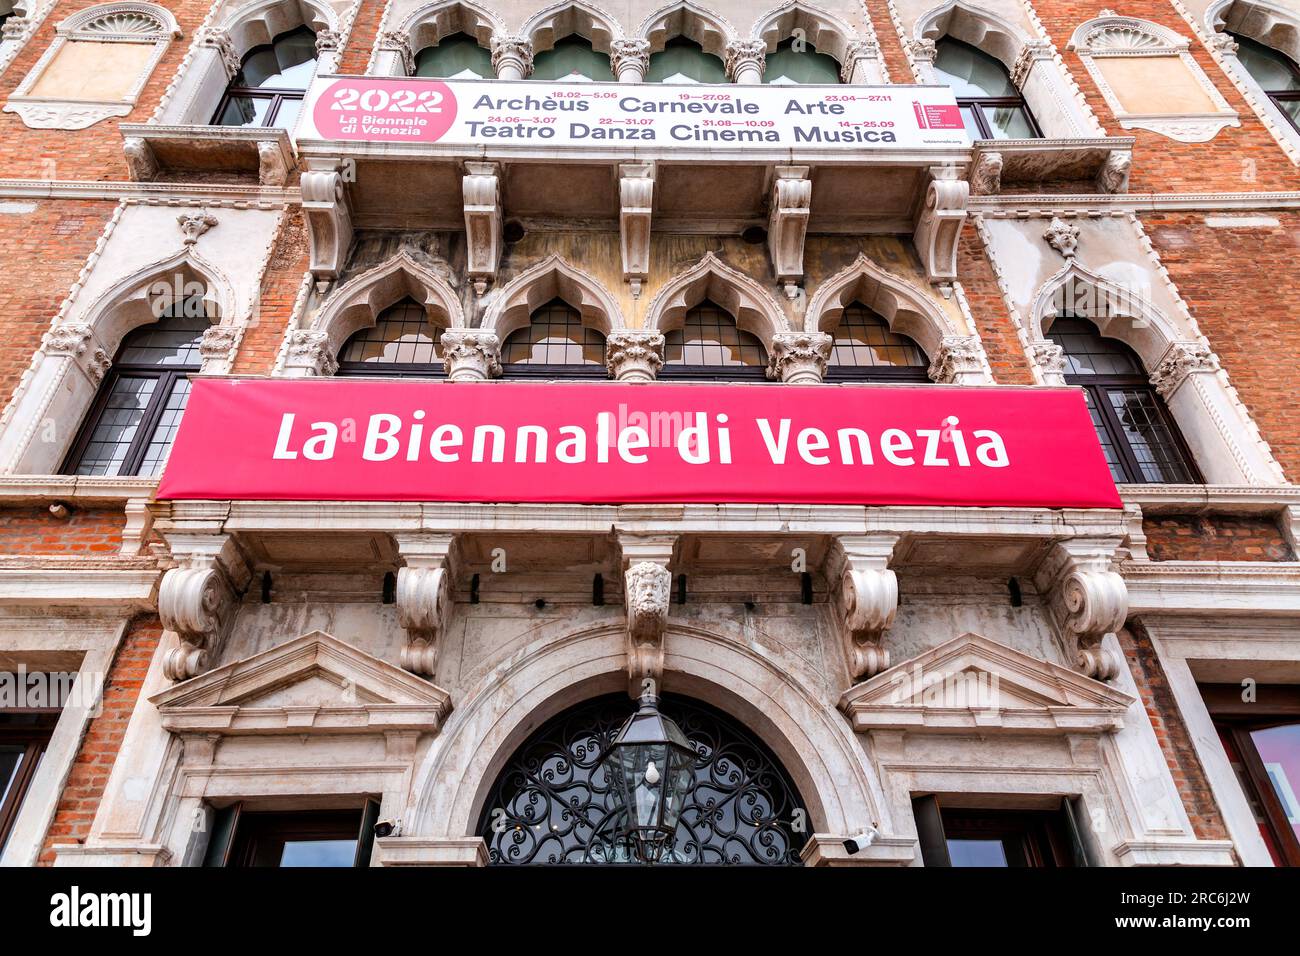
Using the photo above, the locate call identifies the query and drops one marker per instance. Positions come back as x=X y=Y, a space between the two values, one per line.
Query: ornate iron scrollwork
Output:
x=552 y=803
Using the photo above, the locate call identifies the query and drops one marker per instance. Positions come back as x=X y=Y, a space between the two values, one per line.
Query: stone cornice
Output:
x=1191 y=499
x=209 y=194
x=1064 y=204
x=74 y=488
x=1221 y=587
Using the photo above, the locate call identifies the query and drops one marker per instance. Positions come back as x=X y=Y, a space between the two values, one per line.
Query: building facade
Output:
x=271 y=679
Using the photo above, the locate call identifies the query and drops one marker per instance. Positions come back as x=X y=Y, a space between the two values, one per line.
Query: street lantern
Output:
x=650 y=765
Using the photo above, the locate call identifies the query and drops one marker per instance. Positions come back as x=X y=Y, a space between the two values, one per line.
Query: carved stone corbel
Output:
x=481 y=188
x=959 y=361
x=471 y=355
x=141 y=164
x=867 y=598
x=197 y=600
x=1087 y=598
x=424 y=597
x=787 y=224
x=986 y=176
x=634 y=355
x=938 y=226
x=329 y=221
x=272 y=167
x=799 y=358
x=647 y=592
x=1113 y=175
x=636 y=189
x=1180 y=360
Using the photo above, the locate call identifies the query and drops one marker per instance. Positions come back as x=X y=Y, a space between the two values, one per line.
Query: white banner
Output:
x=375 y=109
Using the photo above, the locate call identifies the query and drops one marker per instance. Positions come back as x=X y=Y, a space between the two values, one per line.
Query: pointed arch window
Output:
x=271 y=82
x=140 y=402
x=403 y=343
x=455 y=57
x=1137 y=433
x=865 y=350
x=710 y=346
x=684 y=61
x=554 y=344
x=991 y=106
x=1275 y=72
x=572 y=60
x=788 y=65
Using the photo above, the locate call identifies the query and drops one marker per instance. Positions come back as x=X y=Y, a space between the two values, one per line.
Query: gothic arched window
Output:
x=710 y=346
x=865 y=349
x=401 y=343
x=552 y=804
x=271 y=82
x=789 y=65
x=554 y=344
x=1137 y=433
x=1276 y=74
x=684 y=61
x=572 y=60
x=991 y=106
x=456 y=57
x=140 y=402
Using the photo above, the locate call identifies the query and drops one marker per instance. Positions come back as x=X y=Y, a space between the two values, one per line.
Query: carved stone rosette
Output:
x=799 y=358
x=634 y=355
x=1180 y=360
x=308 y=353
x=1087 y=598
x=959 y=361
x=867 y=599
x=471 y=355
x=647 y=588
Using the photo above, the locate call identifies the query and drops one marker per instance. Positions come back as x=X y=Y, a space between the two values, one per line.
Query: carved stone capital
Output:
x=15 y=28
x=986 y=176
x=854 y=69
x=471 y=355
x=218 y=343
x=923 y=50
x=1050 y=359
x=1031 y=53
x=1224 y=43
x=629 y=57
x=634 y=355
x=395 y=41
x=220 y=41
x=194 y=225
x=1087 y=598
x=1063 y=237
x=647 y=588
x=867 y=599
x=1180 y=360
x=512 y=57
x=71 y=338
x=799 y=358
x=745 y=61
x=308 y=353
x=959 y=361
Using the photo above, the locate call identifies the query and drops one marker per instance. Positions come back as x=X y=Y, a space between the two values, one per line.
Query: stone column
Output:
x=634 y=355
x=471 y=355
x=394 y=57
x=512 y=57
x=745 y=61
x=799 y=358
x=630 y=58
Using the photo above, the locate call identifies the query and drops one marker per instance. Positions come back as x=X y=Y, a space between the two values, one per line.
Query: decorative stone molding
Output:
x=799 y=358
x=1114 y=172
x=1063 y=237
x=938 y=225
x=217 y=347
x=1180 y=360
x=745 y=61
x=787 y=224
x=986 y=176
x=1114 y=36
x=220 y=40
x=141 y=164
x=308 y=353
x=863 y=63
x=194 y=225
x=634 y=355
x=424 y=597
x=512 y=57
x=197 y=599
x=398 y=43
x=1087 y=598
x=647 y=588
x=636 y=186
x=754 y=308
x=481 y=188
x=922 y=50
x=76 y=341
x=630 y=58
x=1049 y=358
x=867 y=599
x=1031 y=53
x=329 y=221
x=471 y=355
x=959 y=361
x=14 y=28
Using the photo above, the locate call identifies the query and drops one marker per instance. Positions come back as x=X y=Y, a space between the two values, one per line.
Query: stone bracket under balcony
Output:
x=151 y=149
x=998 y=163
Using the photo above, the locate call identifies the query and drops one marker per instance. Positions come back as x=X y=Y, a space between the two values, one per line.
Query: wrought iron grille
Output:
x=552 y=803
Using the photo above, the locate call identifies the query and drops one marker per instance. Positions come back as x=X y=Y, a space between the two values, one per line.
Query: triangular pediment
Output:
x=973 y=683
x=313 y=682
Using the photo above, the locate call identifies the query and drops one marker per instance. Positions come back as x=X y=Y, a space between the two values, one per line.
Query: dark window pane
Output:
x=286 y=63
x=572 y=60
x=709 y=337
x=168 y=342
x=684 y=61
x=402 y=336
x=554 y=336
x=1271 y=69
x=785 y=65
x=456 y=57
x=863 y=339
x=116 y=429
x=1008 y=122
x=164 y=433
x=11 y=758
x=1087 y=353
x=1148 y=436
x=245 y=111
x=971 y=72
x=1103 y=435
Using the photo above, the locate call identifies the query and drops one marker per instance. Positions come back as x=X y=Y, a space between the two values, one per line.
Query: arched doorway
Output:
x=551 y=803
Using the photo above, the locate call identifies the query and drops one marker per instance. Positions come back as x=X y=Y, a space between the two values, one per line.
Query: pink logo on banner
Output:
x=938 y=116
x=397 y=110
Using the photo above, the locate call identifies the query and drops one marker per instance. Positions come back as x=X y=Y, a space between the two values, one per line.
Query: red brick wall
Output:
x=1241 y=285
x=103 y=738
x=280 y=285
x=356 y=55
x=1215 y=538
x=891 y=46
x=1171 y=732
x=45 y=250
x=86 y=531
x=1005 y=353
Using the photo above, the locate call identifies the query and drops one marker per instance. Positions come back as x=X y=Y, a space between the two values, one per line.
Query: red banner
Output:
x=340 y=440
